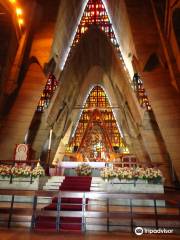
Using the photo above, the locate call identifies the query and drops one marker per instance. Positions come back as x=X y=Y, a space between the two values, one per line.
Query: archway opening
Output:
x=97 y=136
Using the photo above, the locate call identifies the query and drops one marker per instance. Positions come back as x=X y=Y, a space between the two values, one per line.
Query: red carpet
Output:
x=71 y=183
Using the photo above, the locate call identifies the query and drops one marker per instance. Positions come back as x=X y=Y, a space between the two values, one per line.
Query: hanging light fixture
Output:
x=12 y=1
x=19 y=12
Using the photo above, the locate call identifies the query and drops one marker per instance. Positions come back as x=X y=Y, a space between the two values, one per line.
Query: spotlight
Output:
x=19 y=11
x=12 y=1
x=20 y=21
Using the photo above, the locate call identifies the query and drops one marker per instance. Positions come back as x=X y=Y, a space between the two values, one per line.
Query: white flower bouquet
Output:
x=125 y=173
x=38 y=171
x=151 y=174
x=83 y=170
x=18 y=171
x=21 y=171
x=5 y=170
x=108 y=173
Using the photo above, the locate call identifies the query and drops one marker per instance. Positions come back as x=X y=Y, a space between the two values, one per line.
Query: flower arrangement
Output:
x=21 y=171
x=83 y=170
x=124 y=173
x=148 y=174
x=5 y=171
x=38 y=171
x=108 y=173
x=129 y=173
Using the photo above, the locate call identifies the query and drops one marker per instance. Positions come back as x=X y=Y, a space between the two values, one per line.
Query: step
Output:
x=52 y=185
x=66 y=223
x=51 y=188
x=97 y=189
x=57 y=177
x=45 y=200
x=56 y=180
x=68 y=200
x=97 y=180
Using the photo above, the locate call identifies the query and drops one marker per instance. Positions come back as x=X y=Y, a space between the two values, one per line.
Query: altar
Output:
x=69 y=167
x=75 y=164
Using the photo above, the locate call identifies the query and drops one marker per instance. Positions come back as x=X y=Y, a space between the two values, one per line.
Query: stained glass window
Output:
x=97 y=133
x=95 y=14
x=47 y=94
x=140 y=92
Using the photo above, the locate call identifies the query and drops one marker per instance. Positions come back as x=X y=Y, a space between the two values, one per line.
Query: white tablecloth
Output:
x=75 y=164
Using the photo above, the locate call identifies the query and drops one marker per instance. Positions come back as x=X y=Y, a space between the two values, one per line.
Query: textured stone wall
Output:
x=165 y=102
x=16 y=124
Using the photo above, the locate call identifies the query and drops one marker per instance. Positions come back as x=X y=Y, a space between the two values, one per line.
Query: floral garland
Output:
x=129 y=173
x=83 y=170
x=21 y=171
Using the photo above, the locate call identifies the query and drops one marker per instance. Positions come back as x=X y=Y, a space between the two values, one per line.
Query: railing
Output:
x=106 y=211
x=7 y=212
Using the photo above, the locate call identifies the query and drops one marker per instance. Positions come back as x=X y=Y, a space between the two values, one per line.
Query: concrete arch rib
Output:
x=97 y=76
x=94 y=49
x=93 y=61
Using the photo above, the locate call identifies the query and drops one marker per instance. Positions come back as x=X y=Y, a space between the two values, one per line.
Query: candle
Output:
x=50 y=139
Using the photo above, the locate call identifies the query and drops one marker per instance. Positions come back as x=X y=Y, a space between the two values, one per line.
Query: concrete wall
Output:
x=16 y=124
x=107 y=72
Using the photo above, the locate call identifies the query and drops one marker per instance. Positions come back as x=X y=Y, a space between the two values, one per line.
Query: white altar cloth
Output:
x=75 y=164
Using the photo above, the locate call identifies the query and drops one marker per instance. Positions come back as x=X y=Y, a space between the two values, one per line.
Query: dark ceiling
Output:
x=5 y=33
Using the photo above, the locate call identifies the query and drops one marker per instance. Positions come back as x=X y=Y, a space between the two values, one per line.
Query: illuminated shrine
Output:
x=97 y=136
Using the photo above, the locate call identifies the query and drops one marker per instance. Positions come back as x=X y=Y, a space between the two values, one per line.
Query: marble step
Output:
x=53 y=184
x=56 y=188
x=56 y=179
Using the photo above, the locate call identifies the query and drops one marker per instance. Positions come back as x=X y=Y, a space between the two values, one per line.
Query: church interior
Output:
x=90 y=117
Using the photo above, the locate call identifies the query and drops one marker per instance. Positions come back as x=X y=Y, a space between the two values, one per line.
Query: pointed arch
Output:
x=94 y=13
x=86 y=103
x=97 y=119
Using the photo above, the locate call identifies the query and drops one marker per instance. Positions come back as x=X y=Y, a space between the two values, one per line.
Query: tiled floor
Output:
x=26 y=235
